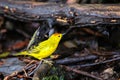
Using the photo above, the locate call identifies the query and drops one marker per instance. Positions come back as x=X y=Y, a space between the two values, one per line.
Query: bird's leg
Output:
x=55 y=56
x=47 y=61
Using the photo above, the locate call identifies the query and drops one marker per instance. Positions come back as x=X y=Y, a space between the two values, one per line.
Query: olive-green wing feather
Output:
x=40 y=47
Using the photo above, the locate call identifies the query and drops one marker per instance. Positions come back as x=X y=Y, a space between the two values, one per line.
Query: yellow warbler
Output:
x=43 y=49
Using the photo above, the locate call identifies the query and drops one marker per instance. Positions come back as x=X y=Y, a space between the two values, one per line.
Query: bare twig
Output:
x=11 y=75
x=36 y=68
x=94 y=64
x=17 y=72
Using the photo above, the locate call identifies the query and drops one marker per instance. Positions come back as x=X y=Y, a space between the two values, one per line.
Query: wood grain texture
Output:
x=80 y=14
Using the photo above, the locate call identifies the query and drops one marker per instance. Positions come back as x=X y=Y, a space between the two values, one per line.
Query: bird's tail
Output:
x=5 y=54
x=21 y=53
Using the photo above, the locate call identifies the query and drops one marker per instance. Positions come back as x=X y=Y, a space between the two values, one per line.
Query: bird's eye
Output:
x=59 y=36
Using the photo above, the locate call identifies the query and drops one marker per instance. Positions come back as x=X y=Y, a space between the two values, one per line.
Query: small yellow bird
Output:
x=43 y=49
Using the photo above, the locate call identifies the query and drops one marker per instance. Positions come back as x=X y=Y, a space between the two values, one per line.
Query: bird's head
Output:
x=56 y=37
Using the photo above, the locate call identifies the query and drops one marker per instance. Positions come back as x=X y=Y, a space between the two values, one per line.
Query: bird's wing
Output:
x=41 y=46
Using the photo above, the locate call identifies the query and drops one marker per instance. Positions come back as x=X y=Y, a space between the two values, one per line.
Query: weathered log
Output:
x=72 y=14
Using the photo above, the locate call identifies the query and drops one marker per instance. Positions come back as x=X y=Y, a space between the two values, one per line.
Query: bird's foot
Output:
x=48 y=62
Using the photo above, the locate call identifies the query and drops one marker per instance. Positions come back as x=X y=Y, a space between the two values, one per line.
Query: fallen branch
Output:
x=94 y=64
x=82 y=73
x=71 y=14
